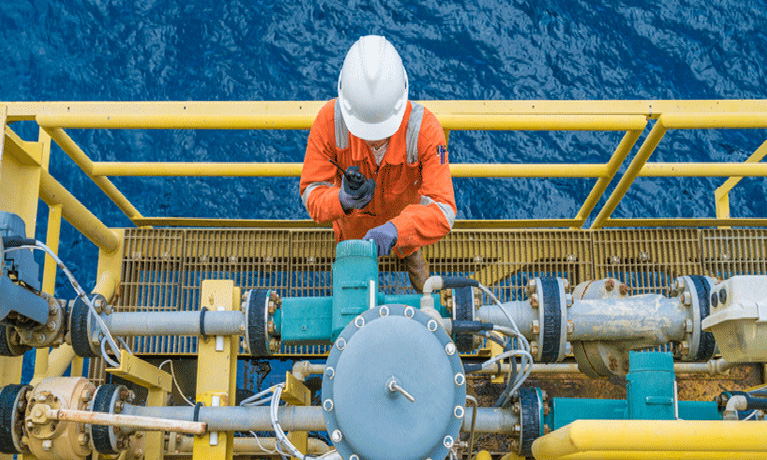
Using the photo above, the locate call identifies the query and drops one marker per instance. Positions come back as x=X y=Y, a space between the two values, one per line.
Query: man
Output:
x=392 y=184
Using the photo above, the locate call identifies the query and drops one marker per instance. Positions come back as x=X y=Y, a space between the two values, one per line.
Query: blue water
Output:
x=156 y=50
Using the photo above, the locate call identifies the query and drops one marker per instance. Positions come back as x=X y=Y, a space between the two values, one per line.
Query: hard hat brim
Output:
x=374 y=131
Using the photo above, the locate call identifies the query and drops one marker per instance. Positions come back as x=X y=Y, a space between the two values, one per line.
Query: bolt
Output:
x=20 y=406
x=514 y=445
x=30 y=424
x=570 y=326
x=270 y=327
x=515 y=409
x=536 y=327
x=52 y=308
x=546 y=409
x=686 y=298
x=82 y=439
x=38 y=412
x=688 y=325
x=337 y=436
x=272 y=307
x=534 y=300
x=623 y=289
x=679 y=284
x=51 y=325
x=546 y=429
x=450 y=349
x=40 y=397
x=534 y=348
x=517 y=428
x=119 y=407
x=544 y=395
x=531 y=286
x=138 y=453
x=569 y=300
x=613 y=363
x=684 y=348
x=47 y=445
x=566 y=285
x=609 y=285
x=41 y=337
x=274 y=345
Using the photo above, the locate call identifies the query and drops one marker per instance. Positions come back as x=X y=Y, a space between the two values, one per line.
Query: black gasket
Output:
x=202 y=323
x=102 y=402
x=463 y=305
x=552 y=319
x=707 y=342
x=9 y=417
x=258 y=341
x=78 y=330
x=529 y=419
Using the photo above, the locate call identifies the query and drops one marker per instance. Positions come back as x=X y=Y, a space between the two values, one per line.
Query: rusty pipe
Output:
x=132 y=421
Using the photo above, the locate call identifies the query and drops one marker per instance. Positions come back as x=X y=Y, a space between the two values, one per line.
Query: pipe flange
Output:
x=463 y=310
x=257 y=305
x=398 y=367
x=80 y=331
x=702 y=344
x=107 y=439
x=552 y=314
x=10 y=342
x=530 y=405
x=13 y=403
x=50 y=333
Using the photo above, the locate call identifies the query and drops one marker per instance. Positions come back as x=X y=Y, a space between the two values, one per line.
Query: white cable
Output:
x=173 y=376
x=81 y=294
x=268 y=451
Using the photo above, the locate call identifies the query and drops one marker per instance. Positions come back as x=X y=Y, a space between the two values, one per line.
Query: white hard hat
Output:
x=372 y=89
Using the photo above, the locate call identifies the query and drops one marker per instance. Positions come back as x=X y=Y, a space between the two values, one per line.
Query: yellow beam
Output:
x=140 y=372
x=677 y=222
x=20 y=177
x=703 y=170
x=721 y=194
x=256 y=223
x=294 y=169
x=53 y=193
x=494 y=121
x=680 y=120
x=651 y=437
x=648 y=108
x=109 y=271
x=297 y=394
x=217 y=369
x=81 y=159
x=623 y=149
x=647 y=148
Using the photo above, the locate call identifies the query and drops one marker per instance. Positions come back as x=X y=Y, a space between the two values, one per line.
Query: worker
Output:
x=392 y=181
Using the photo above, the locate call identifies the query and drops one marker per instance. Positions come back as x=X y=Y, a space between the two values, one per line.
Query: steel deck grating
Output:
x=164 y=268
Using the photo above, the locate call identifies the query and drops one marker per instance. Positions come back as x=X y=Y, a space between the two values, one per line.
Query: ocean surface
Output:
x=161 y=50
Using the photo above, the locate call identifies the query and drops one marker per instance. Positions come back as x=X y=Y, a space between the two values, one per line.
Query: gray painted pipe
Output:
x=175 y=323
x=650 y=318
x=301 y=418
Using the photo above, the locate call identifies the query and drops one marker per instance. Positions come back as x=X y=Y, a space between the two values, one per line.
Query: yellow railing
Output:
x=631 y=117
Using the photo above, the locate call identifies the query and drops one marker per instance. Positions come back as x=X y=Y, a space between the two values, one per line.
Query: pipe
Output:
x=250 y=446
x=303 y=369
x=299 y=418
x=652 y=439
x=138 y=422
x=712 y=367
x=59 y=360
x=53 y=193
x=175 y=323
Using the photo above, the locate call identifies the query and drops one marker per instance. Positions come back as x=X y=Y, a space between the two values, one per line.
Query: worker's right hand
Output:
x=355 y=197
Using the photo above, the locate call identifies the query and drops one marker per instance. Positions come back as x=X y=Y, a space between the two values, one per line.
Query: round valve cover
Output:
x=383 y=359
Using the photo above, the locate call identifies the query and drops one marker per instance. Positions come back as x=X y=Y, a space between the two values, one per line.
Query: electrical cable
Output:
x=175 y=382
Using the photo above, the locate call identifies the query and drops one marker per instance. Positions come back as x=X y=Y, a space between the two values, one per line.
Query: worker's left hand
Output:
x=385 y=237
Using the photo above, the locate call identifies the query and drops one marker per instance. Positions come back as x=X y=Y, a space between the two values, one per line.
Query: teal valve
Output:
x=355 y=281
x=650 y=390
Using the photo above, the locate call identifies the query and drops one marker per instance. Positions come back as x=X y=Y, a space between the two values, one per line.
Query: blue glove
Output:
x=356 y=191
x=385 y=237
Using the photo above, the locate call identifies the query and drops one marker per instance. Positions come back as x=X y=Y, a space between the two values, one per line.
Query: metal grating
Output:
x=648 y=261
x=163 y=269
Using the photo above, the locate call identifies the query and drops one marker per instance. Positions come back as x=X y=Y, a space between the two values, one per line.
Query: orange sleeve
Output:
x=320 y=180
x=428 y=221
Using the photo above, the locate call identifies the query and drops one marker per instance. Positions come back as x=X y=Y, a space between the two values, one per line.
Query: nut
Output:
x=546 y=429
x=534 y=300
x=534 y=348
x=570 y=326
x=686 y=298
x=613 y=363
x=609 y=285
x=623 y=289
x=535 y=328
x=274 y=345
x=688 y=325
x=531 y=286
x=47 y=445
x=684 y=348
x=82 y=439
x=270 y=327
x=569 y=300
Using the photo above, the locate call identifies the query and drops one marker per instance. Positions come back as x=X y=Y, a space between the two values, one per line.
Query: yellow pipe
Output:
x=676 y=222
x=294 y=169
x=277 y=120
x=256 y=223
x=659 y=455
x=616 y=160
x=651 y=437
x=703 y=170
x=714 y=120
x=53 y=193
x=655 y=136
x=81 y=159
x=57 y=361
x=49 y=282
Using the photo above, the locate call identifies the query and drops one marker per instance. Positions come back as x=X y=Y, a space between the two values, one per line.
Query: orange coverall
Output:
x=416 y=197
